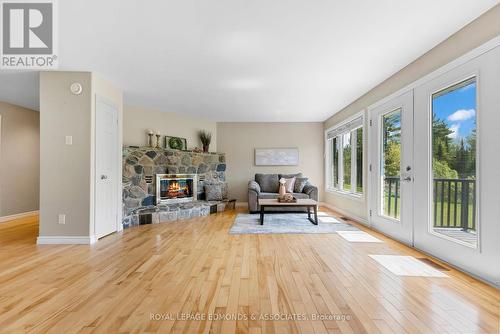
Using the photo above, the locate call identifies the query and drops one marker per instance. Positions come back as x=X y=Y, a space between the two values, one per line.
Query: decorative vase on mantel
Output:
x=150 y=138
x=158 y=137
x=206 y=139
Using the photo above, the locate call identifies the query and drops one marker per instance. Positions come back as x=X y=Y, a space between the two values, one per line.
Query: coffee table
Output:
x=307 y=203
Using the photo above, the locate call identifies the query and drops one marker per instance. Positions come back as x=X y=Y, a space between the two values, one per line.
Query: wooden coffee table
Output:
x=307 y=203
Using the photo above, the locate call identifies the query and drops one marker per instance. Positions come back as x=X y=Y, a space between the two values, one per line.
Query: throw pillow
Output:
x=225 y=190
x=213 y=192
x=300 y=183
x=269 y=183
x=289 y=184
x=223 y=185
x=289 y=176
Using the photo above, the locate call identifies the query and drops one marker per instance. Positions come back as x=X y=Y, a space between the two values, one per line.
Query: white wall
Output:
x=239 y=140
x=20 y=159
x=138 y=120
x=67 y=172
x=471 y=36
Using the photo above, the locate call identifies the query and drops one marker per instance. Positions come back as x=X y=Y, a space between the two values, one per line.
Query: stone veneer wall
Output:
x=141 y=164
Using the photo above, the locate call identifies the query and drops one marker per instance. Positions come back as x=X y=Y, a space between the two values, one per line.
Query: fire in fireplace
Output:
x=175 y=188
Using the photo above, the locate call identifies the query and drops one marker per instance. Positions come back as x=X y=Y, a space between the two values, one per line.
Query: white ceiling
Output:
x=241 y=60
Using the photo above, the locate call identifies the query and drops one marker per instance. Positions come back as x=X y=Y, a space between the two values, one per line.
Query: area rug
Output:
x=288 y=223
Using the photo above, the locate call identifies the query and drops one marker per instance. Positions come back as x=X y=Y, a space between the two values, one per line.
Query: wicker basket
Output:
x=287 y=200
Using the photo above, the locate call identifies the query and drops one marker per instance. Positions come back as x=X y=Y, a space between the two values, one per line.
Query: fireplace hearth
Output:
x=175 y=188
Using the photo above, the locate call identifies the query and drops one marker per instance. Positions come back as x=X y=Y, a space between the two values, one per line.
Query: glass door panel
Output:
x=454 y=162
x=359 y=160
x=391 y=164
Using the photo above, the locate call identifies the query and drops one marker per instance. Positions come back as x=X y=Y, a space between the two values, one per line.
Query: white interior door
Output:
x=456 y=166
x=390 y=157
x=106 y=168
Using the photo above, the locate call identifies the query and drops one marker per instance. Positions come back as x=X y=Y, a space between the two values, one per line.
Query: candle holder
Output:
x=158 y=136
x=150 y=139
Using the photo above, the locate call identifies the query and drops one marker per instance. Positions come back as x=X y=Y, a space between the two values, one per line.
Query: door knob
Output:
x=104 y=177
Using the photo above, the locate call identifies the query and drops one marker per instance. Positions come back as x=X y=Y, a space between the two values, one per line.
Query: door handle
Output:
x=104 y=177
x=406 y=179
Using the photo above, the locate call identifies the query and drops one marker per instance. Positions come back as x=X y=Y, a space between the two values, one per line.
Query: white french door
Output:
x=456 y=172
x=434 y=164
x=391 y=156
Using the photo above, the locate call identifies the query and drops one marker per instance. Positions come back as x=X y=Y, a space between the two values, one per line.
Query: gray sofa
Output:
x=267 y=186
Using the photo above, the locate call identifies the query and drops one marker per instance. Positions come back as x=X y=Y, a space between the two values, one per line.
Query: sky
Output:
x=458 y=109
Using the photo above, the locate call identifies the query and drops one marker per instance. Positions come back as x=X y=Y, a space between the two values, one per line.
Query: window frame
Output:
x=329 y=165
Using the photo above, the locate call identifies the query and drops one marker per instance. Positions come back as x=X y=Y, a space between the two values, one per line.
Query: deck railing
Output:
x=454 y=204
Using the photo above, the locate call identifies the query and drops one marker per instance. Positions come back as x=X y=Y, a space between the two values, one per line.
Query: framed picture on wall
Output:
x=276 y=156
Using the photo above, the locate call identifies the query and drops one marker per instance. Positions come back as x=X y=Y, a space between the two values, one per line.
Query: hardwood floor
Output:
x=127 y=281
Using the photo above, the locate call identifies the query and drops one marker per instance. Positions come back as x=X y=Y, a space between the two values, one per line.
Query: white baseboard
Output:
x=241 y=205
x=64 y=240
x=356 y=218
x=18 y=216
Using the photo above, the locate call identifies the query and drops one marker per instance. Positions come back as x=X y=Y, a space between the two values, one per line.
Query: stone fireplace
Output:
x=142 y=166
x=175 y=188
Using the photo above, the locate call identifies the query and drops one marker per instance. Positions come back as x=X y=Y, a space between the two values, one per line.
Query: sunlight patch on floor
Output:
x=328 y=220
x=358 y=236
x=406 y=266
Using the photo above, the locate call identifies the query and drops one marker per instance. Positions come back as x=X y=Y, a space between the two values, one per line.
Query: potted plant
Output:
x=205 y=138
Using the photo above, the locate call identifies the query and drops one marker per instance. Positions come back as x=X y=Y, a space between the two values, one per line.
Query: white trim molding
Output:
x=18 y=216
x=65 y=240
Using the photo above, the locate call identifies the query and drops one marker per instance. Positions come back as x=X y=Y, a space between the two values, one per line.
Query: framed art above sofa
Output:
x=277 y=156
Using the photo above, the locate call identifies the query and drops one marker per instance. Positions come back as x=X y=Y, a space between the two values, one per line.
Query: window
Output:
x=335 y=171
x=345 y=157
x=346 y=152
